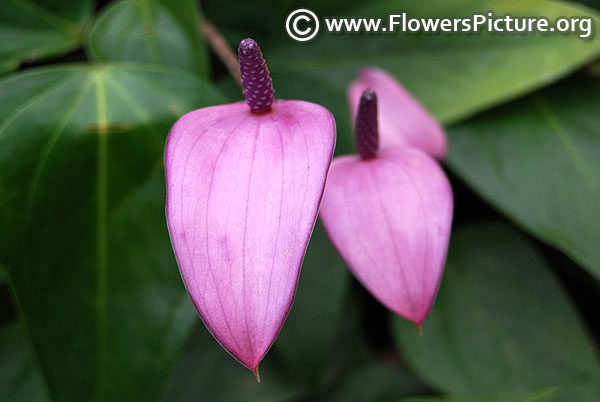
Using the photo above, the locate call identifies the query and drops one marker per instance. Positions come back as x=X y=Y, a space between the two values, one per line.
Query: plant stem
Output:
x=222 y=49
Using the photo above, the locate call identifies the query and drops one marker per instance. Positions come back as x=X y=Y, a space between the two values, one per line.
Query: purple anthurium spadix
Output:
x=388 y=212
x=403 y=121
x=244 y=184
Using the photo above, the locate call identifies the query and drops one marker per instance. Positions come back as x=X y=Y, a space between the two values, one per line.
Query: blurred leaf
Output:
x=37 y=29
x=590 y=3
x=206 y=372
x=19 y=378
x=2 y=274
x=501 y=325
x=544 y=395
x=376 y=382
x=307 y=339
x=239 y=19
x=453 y=75
x=158 y=31
x=84 y=235
x=594 y=69
x=352 y=349
x=537 y=160
x=230 y=89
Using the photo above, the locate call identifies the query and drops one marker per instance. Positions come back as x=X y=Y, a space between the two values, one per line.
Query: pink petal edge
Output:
x=403 y=121
x=243 y=193
x=390 y=219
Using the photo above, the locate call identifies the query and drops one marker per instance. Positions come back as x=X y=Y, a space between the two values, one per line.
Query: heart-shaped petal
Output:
x=390 y=217
x=403 y=121
x=243 y=193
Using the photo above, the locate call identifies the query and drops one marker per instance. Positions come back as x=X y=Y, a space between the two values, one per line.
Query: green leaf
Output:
x=590 y=3
x=537 y=161
x=84 y=235
x=163 y=32
x=376 y=382
x=307 y=339
x=544 y=395
x=37 y=29
x=19 y=377
x=453 y=75
x=206 y=372
x=2 y=274
x=501 y=325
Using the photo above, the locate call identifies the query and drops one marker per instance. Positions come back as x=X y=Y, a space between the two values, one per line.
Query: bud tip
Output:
x=257 y=375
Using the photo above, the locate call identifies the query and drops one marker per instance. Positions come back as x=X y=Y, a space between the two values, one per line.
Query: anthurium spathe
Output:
x=244 y=183
x=403 y=121
x=388 y=212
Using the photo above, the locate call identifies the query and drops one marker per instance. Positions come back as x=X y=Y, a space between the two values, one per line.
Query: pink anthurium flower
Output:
x=244 y=184
x=403 y=121
x=388 y=212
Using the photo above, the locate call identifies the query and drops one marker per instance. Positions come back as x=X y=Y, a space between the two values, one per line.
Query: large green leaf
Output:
x=19 y=378
x=537 y=160
x=206 y=372
x=36 y=29
x=501 y=325
x=157 y=31
x=307 y=339
x=83 y=228
x=454 y=75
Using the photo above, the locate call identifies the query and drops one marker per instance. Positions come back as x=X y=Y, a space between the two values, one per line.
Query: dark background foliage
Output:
x=91 y=304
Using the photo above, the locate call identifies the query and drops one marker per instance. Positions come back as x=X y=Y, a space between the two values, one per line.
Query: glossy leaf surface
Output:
x=163 y=32
x=84 y=235
x=537 y=160
x=37 y=29
x=501 y=326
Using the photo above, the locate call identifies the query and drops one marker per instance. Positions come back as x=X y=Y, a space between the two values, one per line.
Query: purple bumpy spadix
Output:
x=367 y=135
x=256 y=80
